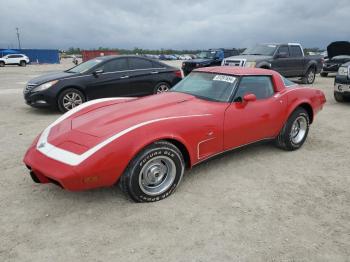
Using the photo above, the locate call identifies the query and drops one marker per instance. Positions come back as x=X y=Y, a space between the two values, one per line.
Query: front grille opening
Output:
x=55 y=182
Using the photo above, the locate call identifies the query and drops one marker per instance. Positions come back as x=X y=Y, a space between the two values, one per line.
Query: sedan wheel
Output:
x=69 y=99
x=161 y=88
x=154 y=173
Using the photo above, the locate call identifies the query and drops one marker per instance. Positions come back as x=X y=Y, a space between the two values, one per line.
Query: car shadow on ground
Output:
x=114 y=193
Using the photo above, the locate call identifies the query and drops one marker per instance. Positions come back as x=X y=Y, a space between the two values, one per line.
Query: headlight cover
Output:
x=343 y=71
x=45 y=86
x=250 y=64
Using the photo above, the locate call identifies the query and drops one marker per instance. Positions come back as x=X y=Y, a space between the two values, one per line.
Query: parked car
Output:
x=287 y=59
x=338 y=54
x=185 y=57
x=14 y=59
x=211 y=57
x=146 y=144
x=106 y=76
x=342 y=83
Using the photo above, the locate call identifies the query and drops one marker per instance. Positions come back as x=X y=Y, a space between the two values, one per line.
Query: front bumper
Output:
x=330 y=68
x=41 y=99
x=45 y=170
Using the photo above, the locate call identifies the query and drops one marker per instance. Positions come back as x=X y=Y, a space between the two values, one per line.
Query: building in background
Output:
x=90 y=54
x=39 y=56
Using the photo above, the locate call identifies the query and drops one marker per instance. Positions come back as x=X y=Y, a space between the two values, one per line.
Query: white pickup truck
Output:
x=14 y=59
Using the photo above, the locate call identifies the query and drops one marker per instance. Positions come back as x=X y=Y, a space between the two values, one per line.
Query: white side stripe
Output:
x=73 y=159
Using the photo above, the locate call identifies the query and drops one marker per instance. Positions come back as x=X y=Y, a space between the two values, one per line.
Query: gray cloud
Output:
x=172 y=24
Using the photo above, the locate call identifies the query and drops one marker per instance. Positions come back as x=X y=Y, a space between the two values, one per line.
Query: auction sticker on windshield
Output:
x=224 y=78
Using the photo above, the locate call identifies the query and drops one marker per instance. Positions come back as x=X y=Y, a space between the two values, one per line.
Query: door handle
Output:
x=124 y=77
x=154 y=72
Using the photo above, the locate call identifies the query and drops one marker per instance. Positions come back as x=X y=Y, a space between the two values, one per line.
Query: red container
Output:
x=90 y=54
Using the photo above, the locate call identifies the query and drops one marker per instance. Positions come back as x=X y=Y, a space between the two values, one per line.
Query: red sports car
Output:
x=146 y=144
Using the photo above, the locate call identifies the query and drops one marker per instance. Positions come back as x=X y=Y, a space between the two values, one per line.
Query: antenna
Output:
x=19 y=41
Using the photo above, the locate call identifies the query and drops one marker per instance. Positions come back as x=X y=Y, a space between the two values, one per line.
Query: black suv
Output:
x=108 y=76
x=211 y=57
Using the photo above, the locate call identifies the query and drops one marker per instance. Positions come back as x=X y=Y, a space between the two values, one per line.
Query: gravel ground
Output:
x=254 y=204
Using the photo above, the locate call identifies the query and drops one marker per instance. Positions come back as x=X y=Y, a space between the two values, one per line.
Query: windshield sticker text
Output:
x=224 y=78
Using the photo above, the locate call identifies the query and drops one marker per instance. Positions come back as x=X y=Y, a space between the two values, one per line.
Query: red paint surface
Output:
x=228 y=125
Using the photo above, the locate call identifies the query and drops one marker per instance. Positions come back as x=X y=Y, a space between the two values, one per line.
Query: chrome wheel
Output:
x=299 y=128
x=311 y=76
x=162 y=88
x=157 y=175
x=71 y=100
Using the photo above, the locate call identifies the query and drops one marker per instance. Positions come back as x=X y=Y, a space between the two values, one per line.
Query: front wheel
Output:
x=323 y=74
x=69 y=99
x=154 y=173
x=295 y=130
x=338 y=97
x=309 y=77
x=161 y=88
x=22 y=63
x=2 y=63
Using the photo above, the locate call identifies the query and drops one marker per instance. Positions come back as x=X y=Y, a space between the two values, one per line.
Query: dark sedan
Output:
x=108 y=76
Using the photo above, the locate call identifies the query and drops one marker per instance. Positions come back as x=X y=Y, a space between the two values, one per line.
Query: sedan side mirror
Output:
x=97 y=72
x=249 y=98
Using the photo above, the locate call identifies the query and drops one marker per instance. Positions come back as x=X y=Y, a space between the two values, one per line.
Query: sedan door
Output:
x=143 y=76
x=111 y=79
x=248 y=122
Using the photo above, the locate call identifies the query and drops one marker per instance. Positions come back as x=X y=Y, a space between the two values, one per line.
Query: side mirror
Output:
x=249 y=98
x=97 y=72
x=282 y=55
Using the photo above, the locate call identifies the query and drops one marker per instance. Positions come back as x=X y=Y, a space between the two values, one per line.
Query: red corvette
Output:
x=145 y=144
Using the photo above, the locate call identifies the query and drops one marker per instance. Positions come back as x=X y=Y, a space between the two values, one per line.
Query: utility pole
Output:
x=19 y=41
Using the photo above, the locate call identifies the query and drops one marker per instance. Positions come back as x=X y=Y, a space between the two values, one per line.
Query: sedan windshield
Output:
x=208 y=86
x=206 y=54
x=260 y=50
x=82 y=68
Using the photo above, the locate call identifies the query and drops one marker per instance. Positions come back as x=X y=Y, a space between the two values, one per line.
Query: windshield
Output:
x=206 y=54
x=341 y=57
x=208 y=86
x=83 y=67
x=260 y=50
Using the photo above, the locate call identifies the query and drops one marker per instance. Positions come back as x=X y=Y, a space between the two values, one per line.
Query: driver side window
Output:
x=260 y=86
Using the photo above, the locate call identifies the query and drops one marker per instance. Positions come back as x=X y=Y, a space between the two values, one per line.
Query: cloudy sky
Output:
x=175 y=24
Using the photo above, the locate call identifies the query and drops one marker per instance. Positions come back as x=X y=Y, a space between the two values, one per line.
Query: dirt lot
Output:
x=255 y=204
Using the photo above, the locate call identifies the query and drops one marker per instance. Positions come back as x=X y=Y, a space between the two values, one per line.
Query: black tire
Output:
x=323 y=74
x=161 y=87
x=132 y=181
x=310 y=76
x=22 y=63
x=2 y=63
x=339 y=97
x=286 y=139
x=62 y=98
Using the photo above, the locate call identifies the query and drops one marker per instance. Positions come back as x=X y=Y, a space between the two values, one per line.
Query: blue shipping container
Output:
x=41 y=56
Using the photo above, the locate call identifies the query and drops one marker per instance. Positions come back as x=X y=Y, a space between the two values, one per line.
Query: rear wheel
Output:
x=323 y=74
x=309 y=77
x=294 y=131
x=161 y=88
x=2 y=63
x=338 y=97
x=154 y=173
x=22 y=63
x=69 y=99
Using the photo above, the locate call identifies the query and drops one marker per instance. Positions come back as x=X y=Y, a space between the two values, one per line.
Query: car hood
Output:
x=338 y=48
x=93 y=125
x=199 y=61
x=249 y=58
x=50 y=77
